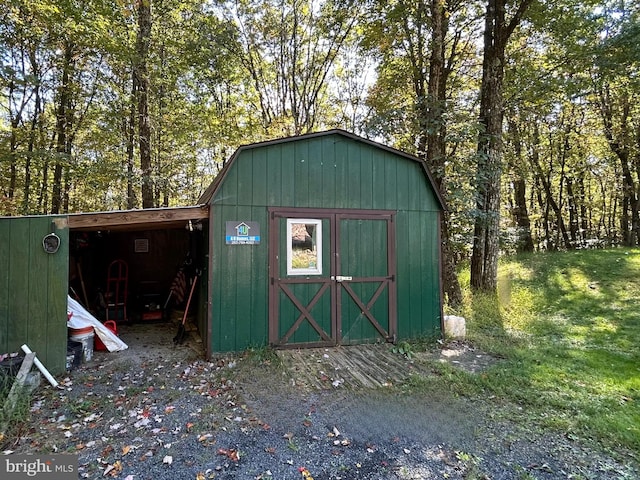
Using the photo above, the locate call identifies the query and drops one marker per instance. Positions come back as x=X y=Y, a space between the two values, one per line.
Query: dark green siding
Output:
x=239 y=282
x=33 y=289
x=361 y=255
x=418 y=274
x=330 y=171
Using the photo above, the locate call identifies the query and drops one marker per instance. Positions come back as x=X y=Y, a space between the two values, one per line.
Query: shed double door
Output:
x=332 y=278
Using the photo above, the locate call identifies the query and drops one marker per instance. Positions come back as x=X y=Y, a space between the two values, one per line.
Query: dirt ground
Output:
x=159 y=410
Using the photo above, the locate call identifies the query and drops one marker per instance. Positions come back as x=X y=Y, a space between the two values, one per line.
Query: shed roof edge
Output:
x=211 y=190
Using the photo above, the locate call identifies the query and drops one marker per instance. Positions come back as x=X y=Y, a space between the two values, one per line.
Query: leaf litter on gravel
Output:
x=232 y=419
x=132 y=413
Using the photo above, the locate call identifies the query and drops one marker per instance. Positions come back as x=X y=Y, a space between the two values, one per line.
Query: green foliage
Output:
x=15 y=419
x=564 y=330
x=567 y=328
x=263 y=355
x=224 y=74
x=403 y=348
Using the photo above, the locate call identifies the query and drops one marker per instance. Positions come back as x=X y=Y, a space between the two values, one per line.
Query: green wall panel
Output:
x=33 y=289
x=287 y=174
x=353 y=162
x=365 y=179
x=301 y=169
x=315 y=175
x=343 y=182
x=19 y=273
x=274 y=172
x=418 y=279
x=5 y=256
x=324 y=171
x=239 y=281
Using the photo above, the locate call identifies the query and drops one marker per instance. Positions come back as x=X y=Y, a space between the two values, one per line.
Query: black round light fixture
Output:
x=51 y=243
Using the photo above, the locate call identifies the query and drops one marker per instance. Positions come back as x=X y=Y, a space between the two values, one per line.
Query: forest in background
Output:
x=526 y=111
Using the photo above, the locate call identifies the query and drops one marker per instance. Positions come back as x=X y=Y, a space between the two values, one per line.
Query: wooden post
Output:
x=17 y=388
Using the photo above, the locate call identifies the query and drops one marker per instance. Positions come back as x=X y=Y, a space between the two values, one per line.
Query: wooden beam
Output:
x=152 y=218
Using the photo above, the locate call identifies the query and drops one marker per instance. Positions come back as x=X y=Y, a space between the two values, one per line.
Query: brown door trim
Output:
x=277 y=284
x=305 y=312
x=385 y=282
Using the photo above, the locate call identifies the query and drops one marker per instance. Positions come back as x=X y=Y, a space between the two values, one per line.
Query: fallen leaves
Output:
x=305 y=473
x=231 y=453
x=109 y=415
x=206 y=439
x=106 y=451
x=139 y=430
x=113 y=470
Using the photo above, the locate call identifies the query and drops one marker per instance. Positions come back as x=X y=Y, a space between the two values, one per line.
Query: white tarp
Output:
x=81 y=318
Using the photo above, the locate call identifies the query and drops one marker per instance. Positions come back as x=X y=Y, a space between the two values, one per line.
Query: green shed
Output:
x=319 y=240
x=316 y=240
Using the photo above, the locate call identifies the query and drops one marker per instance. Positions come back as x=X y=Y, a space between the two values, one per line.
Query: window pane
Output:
x=304 y=247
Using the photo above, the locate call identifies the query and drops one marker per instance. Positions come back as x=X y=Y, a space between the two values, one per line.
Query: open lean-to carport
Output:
x=35 y=277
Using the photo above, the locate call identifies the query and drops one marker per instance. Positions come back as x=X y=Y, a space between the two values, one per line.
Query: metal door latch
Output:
x=341 y=278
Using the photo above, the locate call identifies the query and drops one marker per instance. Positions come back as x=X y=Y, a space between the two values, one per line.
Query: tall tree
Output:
x=422 y=46
x=434 y=128
x=616 y=92
x=141 y=81
x=486 y=248
x=517 y=169
x=289 y=49
x=64 y=123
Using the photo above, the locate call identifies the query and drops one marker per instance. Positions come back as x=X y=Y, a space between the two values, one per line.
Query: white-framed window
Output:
x=304 y=246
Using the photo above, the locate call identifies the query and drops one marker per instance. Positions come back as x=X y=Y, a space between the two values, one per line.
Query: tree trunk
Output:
x=435 y=138
x=544 y=207
x=35 y=125
x=13 y=144
x=550 y=203
x=585 y=221
x=519 y=211
x=486 y=248
x=484 y=258
x=13 y=147
x=618 y=140
x=574 y=228
x=130 y=132
x=142 y=75
x=64 y=115
x=521 y=216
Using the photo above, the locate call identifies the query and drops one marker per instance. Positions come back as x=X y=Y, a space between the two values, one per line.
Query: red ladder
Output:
x=117 y=288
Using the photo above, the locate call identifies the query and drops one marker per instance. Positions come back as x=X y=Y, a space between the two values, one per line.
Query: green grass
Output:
x=263 y=355
x=11 y=421
x=567 y=326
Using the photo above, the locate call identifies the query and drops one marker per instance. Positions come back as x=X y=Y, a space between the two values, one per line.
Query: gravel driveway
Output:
x=158 y=411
